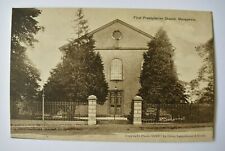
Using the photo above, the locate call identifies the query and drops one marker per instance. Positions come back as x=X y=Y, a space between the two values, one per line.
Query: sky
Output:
x=184 y=35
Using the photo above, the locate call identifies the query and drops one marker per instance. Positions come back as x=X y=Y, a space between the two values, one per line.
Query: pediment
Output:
x=120 y=35
x=131 y=38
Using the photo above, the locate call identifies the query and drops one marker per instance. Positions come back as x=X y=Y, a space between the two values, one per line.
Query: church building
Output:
x=121 y=47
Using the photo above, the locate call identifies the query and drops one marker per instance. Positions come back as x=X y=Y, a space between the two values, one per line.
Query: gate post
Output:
x=92 y=110
x=137 y=110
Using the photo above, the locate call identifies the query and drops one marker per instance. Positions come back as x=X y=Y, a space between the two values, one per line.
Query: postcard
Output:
x=102 y=74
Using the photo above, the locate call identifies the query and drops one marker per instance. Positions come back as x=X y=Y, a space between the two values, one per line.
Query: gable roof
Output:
x=123 y=23
x=111 y=23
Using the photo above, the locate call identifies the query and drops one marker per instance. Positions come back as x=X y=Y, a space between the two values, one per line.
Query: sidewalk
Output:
x=73 y=125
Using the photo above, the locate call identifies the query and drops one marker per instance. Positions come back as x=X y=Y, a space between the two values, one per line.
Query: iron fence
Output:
x=182 y=113
x=67 y=111
x=78 y=111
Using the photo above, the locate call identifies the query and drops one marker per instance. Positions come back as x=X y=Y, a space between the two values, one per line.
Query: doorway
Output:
x=115 y=102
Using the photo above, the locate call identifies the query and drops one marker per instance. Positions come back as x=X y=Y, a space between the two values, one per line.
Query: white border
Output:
x=8 y=144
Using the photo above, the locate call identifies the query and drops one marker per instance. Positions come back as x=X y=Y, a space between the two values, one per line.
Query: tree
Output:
x=24 y=77
x=159 y=81
x=81 y=27
x=80 y=72
x=206 y=73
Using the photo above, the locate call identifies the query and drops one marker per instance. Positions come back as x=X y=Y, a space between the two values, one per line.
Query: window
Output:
x=116 y=69
x=117 y=35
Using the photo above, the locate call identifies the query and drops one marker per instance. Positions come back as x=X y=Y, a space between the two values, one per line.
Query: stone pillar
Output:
x=92 y=110
x=137 y=108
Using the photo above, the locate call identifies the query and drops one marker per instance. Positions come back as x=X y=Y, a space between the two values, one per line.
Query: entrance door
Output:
x=115 y=106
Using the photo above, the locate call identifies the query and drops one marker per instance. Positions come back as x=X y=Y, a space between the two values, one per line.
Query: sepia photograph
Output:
x=109 y=74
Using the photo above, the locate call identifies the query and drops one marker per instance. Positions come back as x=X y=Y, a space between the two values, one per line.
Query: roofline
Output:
x=123 y=23
x=111 y=23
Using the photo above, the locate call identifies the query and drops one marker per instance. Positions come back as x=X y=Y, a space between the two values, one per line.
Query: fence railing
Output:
x=70 y=111
x=183 y=113
x=78 y=111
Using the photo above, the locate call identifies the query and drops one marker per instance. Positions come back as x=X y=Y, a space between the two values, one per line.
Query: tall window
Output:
x=116 y=69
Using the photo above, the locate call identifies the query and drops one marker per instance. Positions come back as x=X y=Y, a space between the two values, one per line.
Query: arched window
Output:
x=116 y=69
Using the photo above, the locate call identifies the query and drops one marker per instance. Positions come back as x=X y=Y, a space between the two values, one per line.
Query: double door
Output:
x=116 y=102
